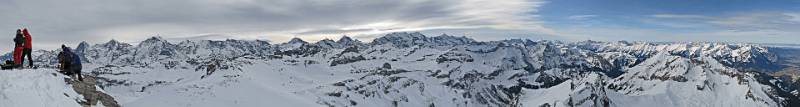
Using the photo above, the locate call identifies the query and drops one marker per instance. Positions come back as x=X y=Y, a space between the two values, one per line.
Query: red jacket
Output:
x=27 y=39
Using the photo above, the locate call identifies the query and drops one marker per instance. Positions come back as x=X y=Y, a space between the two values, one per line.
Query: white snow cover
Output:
x=412 y=70
x=705 y=85
x=36 y=88
x=181 y=88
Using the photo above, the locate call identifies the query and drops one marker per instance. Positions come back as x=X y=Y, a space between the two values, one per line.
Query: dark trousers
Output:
x=77 y=71
x=74 y=70
x=27 y=53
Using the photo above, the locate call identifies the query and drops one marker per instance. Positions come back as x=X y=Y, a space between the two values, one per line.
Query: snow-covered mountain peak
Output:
x=736 y=55
x=328 y=43
x=404 y=39
x=154 y=39
x=326 y=40
x=113 y=42
x=155 y=42
x=296 y=41
x=346 y=39
x=82 y=47
x=445 y=39
x=83 y=44
x=406 y=35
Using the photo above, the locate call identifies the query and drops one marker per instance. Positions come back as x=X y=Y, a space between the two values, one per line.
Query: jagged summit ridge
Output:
x=297 y=41
x=404 y=39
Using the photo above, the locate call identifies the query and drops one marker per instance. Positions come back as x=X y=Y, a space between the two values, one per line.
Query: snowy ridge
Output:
x=750 y=56
x=403 y=39
x=36 y=88
x=411 y=69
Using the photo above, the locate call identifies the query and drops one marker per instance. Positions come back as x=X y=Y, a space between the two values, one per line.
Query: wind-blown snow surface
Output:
x=36 y=88
x=411 y=69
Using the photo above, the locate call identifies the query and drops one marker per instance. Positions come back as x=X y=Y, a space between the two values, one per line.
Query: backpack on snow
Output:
x=8 y=65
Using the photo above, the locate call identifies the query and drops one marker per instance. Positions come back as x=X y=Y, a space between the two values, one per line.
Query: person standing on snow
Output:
x=26 y=51
x=18 y=43
x=70 y=62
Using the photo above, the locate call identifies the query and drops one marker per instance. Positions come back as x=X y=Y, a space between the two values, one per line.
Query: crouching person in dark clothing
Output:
x=70 y=63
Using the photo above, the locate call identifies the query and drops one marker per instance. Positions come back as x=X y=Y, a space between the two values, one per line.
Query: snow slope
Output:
x=36 y=88
x=222 y=89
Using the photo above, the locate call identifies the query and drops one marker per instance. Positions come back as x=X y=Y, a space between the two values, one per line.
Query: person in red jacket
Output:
x=18 y=45
x=26 y=51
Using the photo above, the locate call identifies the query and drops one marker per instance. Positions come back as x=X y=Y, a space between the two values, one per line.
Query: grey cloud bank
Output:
x=55 y=22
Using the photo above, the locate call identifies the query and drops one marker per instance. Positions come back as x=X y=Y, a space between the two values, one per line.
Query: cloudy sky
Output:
x=55 y=22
